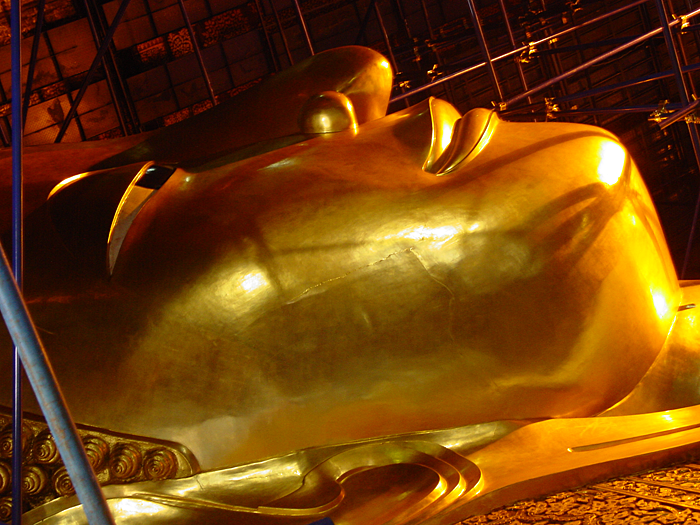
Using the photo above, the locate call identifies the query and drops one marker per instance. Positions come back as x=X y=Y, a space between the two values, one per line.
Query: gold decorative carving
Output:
x=658 y=497
x=5 y=477
x=61 y=482
x=125 y=462
x=6 y=440
x=116 y=458
x=97 y=450
x=5 y=509
x=44 y=448
x=159 y=463
x=34 y=480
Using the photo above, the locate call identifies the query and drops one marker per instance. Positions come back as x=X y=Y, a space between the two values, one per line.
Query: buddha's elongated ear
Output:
x=93 y=211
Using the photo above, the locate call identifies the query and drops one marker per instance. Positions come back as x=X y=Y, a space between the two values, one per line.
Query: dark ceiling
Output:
x=151 y=76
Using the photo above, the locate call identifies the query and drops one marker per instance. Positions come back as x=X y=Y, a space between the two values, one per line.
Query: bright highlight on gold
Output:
x=612 y=162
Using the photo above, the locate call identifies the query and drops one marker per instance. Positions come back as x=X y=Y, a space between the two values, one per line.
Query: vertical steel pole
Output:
x=426 y=17
x=32 y=58
x=93 y=67
x=385 y=35
x=484 y=49
x=197 y=51
x=303 y=27
x=519 y=65
x=112 y=73
x=57 y=69
x=363 y=25
x=692 y=129
x=270 y=47
x=281 y=29
x=17 y=245
x=387 y=43
x=95 y=27
x=672 y=51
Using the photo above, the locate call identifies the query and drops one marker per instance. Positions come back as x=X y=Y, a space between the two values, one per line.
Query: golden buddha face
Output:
x=422 y=271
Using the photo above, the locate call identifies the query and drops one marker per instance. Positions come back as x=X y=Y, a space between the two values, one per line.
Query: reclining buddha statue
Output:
x=314 y=310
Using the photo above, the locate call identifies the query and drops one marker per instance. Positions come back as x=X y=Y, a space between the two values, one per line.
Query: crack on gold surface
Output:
x=311 y=289
x=450 y=306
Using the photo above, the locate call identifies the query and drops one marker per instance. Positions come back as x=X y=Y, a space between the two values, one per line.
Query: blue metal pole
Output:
x=595 y=60
x=481 y=39
x=51 y=401
x=678 y=115
x=621 y=85
x=692 y=129
x=519 y=50
x=17 y=245
x=597 y=111
x=32 y=58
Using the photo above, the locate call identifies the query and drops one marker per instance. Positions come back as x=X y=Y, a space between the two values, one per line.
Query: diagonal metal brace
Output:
x=685 y=113
x=93 y=67
x=41 y=376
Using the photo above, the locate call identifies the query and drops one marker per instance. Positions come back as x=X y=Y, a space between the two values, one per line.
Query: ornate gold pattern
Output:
x=228 y=24
x=658 y=497
x=151 y=52
x=223 y=26
x=180 y=43
x=116 y=458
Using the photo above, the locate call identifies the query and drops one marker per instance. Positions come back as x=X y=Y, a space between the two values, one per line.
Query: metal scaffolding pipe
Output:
x=673 y=52
x=93 y=67
x=593 y=111
x=626 y=84
x=692 y=129
x=680 y=114
x=303 y=27
x=594 y=61
x=581 y=47
x=519 y=50
x=281 y=29
x=385 y=36
x=111 y=71
x=270 y=47
x=32 y=58
x=57 y=69
x=97 y=30
x=17 y=247
x=197 y=51
x=50 y=399
x=365 y=21
x=519 y=66
x=484 y=49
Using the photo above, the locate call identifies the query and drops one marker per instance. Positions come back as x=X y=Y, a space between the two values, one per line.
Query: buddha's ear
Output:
x=469 y=135
x=92 y=212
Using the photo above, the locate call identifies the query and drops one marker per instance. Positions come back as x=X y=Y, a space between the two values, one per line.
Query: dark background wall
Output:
x=151 y=77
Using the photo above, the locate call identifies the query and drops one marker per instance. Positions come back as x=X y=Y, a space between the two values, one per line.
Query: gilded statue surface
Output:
x=343 y=314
